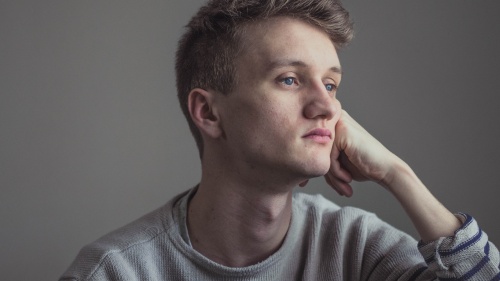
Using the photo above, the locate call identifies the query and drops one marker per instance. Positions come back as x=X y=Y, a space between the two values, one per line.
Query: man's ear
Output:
x=204 y=113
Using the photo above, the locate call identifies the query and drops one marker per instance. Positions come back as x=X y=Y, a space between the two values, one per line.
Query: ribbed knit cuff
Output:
x=456 y=255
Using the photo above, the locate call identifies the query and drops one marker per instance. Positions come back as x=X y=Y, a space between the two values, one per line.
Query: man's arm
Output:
x=451 y=247
x=358 y=155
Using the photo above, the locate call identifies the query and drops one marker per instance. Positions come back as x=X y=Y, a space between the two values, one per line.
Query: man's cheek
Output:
x=333 y=142
x=334 y=121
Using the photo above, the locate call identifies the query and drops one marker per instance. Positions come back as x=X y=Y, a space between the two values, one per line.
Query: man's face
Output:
x=280 y=118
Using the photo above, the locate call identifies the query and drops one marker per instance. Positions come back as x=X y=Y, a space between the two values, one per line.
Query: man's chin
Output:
x=309 y=177
x=317 y=172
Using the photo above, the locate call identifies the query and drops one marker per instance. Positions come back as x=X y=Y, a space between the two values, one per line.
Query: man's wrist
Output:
x=399 y=177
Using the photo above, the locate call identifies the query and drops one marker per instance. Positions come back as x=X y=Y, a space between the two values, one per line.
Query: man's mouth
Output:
x=320 y=135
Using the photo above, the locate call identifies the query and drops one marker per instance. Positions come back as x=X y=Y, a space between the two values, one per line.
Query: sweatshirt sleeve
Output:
x=468 y=255
x=390 y=254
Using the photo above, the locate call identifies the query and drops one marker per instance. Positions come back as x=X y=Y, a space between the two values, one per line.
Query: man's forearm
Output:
x=431 y=219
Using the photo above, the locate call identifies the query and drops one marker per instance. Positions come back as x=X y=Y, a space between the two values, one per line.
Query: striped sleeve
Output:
x=468 y=255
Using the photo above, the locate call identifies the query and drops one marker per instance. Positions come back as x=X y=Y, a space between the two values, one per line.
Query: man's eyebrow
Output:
x=336 y=69
x=297 y=63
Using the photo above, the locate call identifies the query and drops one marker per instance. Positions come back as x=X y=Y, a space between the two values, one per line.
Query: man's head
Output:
x=207 y=51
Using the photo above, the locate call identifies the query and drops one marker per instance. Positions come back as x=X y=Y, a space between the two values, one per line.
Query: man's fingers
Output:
x=336 y=167
x=338 y=171
x=302 y=184
x=343 y=188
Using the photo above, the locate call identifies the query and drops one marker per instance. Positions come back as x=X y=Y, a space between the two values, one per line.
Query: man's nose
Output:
x=320 y=103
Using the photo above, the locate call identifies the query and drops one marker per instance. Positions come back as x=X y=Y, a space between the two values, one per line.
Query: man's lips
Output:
x=320 y=135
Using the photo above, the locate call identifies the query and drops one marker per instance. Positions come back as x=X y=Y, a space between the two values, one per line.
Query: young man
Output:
x=257 y=81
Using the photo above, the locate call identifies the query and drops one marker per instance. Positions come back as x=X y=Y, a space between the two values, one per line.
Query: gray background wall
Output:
x=91 y=136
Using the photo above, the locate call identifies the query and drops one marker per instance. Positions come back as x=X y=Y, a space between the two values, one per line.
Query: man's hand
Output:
x=357 y=155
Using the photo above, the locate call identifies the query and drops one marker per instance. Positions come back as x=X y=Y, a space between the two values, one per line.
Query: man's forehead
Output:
x=286 y=42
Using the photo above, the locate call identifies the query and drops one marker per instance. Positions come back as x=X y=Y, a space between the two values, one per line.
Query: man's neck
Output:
x=237 y=225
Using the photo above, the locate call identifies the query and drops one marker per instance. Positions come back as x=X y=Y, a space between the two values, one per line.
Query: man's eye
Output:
x=289 y=81
x=330 y=87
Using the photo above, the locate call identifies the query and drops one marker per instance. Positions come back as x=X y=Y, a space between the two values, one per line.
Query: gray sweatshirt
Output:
x=324 y=242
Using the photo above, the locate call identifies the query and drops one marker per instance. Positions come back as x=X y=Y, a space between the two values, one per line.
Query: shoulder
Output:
x=137 y=238
x=320 y=207
x=356 y=235
x=343 y=222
